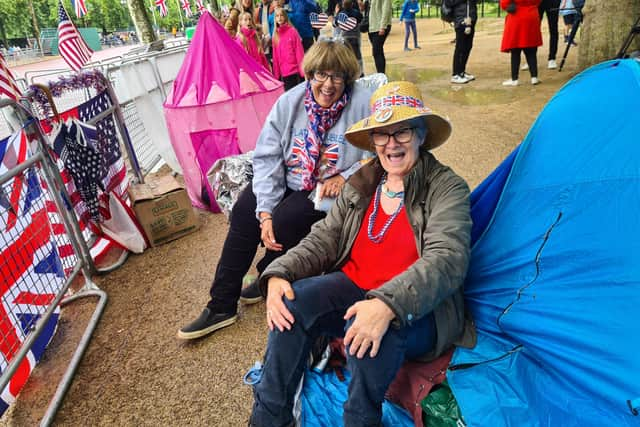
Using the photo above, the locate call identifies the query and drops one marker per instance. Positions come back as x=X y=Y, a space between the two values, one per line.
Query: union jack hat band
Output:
x=393 y=103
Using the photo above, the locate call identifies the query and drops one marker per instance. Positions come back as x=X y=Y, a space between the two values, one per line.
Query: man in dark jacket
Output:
x=465 y=17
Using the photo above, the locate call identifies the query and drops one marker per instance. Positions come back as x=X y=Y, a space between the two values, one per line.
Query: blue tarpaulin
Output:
x=554 y=280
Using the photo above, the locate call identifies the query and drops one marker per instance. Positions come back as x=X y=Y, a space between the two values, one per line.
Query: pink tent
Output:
x=216 y=108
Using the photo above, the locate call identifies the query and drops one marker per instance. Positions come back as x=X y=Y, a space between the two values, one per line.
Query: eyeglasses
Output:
x=402 y=136
x=321 y=76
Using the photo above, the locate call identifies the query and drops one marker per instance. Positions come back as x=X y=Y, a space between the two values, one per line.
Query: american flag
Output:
x=318 y=20
x=116 y=179
x=72 y=47
x=8 y=84
x=31 y=269
x=162 y=5
x=346 y=23
x=80 y=7
x=200 y=6
x=186 y=7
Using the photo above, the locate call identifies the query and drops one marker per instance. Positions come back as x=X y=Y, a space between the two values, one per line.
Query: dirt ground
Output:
x=136 y=372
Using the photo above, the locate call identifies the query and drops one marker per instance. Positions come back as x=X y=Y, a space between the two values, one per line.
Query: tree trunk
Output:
x=36 y=27
x=605 y=28
x=138 y=11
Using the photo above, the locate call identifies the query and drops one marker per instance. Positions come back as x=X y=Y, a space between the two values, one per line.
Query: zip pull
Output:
x=634 y=405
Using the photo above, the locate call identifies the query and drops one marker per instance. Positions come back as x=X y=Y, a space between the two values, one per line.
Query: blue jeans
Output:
x=408 y=27
x=320 y=304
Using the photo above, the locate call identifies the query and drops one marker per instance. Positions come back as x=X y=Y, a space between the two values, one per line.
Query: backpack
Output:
x=446 y=12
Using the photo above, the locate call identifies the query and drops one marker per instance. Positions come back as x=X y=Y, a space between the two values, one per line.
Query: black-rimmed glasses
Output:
x=402 y=136
x=321 y=76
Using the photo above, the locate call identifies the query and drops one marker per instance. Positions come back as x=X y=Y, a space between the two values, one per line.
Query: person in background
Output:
x=380 y=12
x=385 y=269
x=231 y=29
x=263 y=16
x=299 y=11
x=550 y=8
x=522 y=34
x=465 y=14
x=569 y=17
x=248 y=38
x=287 y=51
x=351 y=37
x=408 y=15
x=244 y=6
x=300 y=150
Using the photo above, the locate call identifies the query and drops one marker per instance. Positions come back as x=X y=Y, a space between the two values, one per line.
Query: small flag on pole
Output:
x=318 y=20
x=72 y=47
x=80 y=7
x=8 y=84
x=346 y=23
x=162 y=5
x=186 y=7
x=200 y=6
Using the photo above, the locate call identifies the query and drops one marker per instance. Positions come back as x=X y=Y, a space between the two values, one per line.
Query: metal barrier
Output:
x=140 y=104
x=71 y=93
x=41 y=257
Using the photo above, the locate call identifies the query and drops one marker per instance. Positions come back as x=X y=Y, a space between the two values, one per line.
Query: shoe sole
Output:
x=251 y=301
x=197 y=334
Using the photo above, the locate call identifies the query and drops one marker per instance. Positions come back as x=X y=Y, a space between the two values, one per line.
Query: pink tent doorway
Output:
x=216 y=108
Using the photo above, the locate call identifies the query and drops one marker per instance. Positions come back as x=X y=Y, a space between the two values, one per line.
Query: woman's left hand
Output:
x=331 y=187
x=371 y=323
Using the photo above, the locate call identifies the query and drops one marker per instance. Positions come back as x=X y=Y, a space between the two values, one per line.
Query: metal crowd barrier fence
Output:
x=41 y=258
x=141 y=81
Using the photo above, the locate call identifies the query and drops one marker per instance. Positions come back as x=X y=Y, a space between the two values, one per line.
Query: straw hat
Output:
x=393 y=103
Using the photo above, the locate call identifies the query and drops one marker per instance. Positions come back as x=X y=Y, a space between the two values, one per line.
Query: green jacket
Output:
x=437 y=205
x=380 y=12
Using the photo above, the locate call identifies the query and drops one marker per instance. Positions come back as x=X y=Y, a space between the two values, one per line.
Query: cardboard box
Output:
x=163 y=209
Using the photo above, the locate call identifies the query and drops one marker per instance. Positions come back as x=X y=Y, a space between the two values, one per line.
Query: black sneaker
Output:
x=251 y=294
x=206 y=323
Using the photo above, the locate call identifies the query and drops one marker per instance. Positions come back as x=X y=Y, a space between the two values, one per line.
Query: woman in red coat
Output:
x=521 y=34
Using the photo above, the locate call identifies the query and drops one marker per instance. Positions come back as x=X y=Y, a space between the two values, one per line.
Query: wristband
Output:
x=265 y=218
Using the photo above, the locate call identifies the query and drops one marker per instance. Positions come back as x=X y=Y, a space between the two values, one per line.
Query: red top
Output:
x=372 y=264
x=521 y=29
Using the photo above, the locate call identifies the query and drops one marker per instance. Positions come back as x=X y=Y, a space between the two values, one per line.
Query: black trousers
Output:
x=291 y=81
x=464 y=43
x=377 y=49
x=532 y=60
x=550 y=7
x=292 y=220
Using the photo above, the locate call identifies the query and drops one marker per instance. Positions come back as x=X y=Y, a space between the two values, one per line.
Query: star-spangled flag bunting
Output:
x=8 y=84
x=346 y=23
x=318 y=20
x=71 y=45
x=184 y=4
x=31 y=270
x=162 y=6
x=80 y=7
x=200 y=6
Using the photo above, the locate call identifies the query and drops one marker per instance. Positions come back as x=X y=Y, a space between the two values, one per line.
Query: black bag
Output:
x=446 y=12
x=511 y=7
x=364 y=24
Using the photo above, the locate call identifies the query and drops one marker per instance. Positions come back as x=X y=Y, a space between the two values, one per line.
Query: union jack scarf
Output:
x=320 y=121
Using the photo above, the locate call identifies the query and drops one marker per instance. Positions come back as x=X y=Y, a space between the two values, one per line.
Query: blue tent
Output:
x=554 y=280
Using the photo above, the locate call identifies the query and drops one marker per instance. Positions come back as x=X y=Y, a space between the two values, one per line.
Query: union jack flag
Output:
x=162 y=5
x=346 y=23
x=8 y=84
x=31 y=269
x=80 y=7
x=200 y=5
x=318 y=20
x=184 y=4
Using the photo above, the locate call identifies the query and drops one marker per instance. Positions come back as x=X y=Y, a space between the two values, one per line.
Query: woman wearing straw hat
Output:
x=384 y=269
